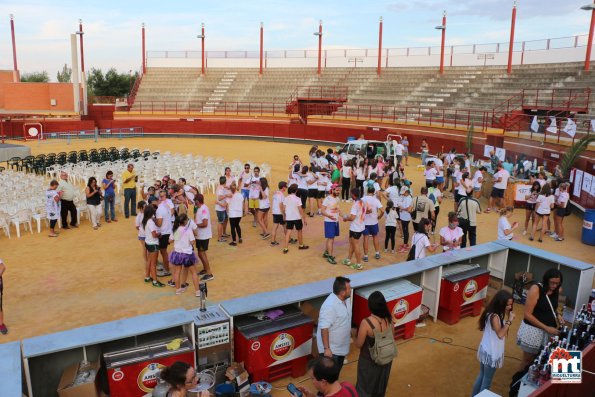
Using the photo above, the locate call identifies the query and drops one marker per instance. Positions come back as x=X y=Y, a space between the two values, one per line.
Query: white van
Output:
x=370 y=148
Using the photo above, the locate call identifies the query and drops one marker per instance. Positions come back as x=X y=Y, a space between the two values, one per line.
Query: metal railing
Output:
x=495 y=48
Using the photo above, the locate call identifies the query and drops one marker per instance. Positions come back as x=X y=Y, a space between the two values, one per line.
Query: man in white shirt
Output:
x=203 y=235
x=373 y=214
x=392 y=192
x=254 y=193
x=356 y=229
x=478 y=177
x=278 y=219
x=222 y=201
x=164 y=220
x=500 y=183
x=244 y=182
x=294 y=218
x=398 y=147
x=333 y=335
x=67 y=201
x=330 y=211
x=467 y=211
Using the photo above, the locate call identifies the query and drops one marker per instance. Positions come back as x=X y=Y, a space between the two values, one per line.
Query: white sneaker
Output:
x=524 y=232
x=554 y=235
x=385 y=250
x=392 y=251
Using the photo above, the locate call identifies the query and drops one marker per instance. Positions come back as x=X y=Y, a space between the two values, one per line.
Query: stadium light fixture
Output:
x=201 y=36
x=588 y=7
x=318 y=33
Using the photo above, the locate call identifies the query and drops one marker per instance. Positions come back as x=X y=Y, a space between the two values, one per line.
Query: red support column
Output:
x=379 y=47
x=261 y=46
x=589 y=41
x=202 y=38
x=319 y=46
x=143 y=45
x=442 y=45
x=511 y=43
x=15 y=73
x=81 y=42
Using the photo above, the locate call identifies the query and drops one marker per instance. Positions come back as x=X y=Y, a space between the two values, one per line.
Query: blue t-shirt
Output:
x=110 y=190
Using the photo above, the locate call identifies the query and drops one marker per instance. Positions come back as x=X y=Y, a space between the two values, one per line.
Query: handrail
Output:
x=576 y=41
x=135 y=87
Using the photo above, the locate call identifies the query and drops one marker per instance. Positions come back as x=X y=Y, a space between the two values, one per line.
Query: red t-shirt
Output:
x=345 y=391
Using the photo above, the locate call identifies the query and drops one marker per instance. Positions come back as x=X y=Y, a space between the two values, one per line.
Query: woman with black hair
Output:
x=183 y=253
x=181 y=377
x=361 y=173
x=94 y=196
x=420 y=241
x=495 y=321
x=530 y=200
x=152 y=245
x=264 y=204
x=372 y=378
x=540 y=320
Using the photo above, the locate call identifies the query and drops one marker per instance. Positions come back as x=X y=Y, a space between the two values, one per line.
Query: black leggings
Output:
x=303 y=195
x=390 y=235
x=235 y=228
x=360 y=185
x=405 y=227
x=435 y=218
x=345 y=184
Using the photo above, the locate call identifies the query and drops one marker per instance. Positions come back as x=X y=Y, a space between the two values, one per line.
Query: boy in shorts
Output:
x=331 y=213
x=3 y=329
x=278 y=220
x=294 y=217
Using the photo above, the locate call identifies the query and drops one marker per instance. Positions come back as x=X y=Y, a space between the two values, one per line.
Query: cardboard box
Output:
x=89 y=389
x=238 y=374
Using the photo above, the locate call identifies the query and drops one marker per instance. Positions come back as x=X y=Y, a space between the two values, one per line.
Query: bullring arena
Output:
x=189 y=119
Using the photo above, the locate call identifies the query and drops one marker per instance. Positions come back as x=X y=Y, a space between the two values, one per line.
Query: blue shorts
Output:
x=141 y=238
x=440 y=179
x=331 y=229
x=221 y=216
x=246 y=194
x=371 y=230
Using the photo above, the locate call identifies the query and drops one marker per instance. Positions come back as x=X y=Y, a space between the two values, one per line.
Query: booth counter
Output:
x=46 y=357
x=11 y=383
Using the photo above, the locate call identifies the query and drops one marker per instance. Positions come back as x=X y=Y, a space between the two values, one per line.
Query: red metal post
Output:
x=319 y=46
x=202 y=55
x=589 y=41
x=380 y=47
x=261 y=46
x=511 y=43
x=144 y=59
x=81 y=41
x=442 y=45
x=15 y=74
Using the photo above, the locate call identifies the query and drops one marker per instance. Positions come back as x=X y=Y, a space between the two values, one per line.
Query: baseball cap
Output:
x=404 y=189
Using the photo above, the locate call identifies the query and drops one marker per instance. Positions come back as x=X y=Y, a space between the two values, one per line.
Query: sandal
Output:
x=356 y=266
x=303 y=247
x=285 y=250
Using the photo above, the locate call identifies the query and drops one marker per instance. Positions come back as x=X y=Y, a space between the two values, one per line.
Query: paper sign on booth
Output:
x=578 y=181
x=587 y=181
x=521 y=191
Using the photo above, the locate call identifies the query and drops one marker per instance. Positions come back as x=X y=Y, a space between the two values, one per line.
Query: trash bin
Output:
x=588 y=236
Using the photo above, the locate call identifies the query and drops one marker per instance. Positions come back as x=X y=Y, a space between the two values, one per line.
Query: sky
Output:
x=113 y=28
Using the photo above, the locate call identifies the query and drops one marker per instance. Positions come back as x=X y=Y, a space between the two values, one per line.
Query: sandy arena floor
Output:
x=86 y=277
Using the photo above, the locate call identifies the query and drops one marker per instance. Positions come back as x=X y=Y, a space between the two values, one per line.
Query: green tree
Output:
x=573 y=153
x=469 y=142
x=111 y=83
x=65 y=75
x=35 y=77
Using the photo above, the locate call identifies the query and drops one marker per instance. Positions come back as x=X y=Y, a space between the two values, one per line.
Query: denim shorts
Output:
x=221 y=216
x=246 y=193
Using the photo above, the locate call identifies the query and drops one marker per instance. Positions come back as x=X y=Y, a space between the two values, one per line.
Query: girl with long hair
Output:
x=360 y=176
x=372 y=379
x=531 y=199
x=138 y=223
x=346 y=177
x=264 y=204
x=181 y=378
x=543 y=208
x=390 y=225
x=421 y=240
x=505 y=229
x=495 y=321
x=152 y=245
x=183 y=253
x=562 y=202
x=94 y=196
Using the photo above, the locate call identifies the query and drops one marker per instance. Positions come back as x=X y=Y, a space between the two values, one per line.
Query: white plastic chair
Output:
x=24 y=217
x=4 y=224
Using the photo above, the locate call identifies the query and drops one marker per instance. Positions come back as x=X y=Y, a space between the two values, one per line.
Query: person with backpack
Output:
x=495 y=322
x=376 y=341
x=420 y=242
x=467 y=211
x=435 y=195
x=423 y=208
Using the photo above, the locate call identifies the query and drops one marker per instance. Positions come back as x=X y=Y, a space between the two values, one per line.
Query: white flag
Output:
x=553 y=128
x=570 y=128
x=535 y=124
x=593 y=125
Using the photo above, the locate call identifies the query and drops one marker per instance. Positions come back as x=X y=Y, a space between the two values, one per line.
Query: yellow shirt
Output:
x=131 y=184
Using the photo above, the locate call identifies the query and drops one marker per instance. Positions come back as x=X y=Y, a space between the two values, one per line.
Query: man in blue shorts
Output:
x=373 y=214
x=244 y=183
x=330 y=211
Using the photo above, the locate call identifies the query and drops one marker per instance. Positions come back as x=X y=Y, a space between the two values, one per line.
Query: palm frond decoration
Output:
x=573 y=153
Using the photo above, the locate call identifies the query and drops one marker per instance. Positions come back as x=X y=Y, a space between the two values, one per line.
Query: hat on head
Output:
x=404 y=189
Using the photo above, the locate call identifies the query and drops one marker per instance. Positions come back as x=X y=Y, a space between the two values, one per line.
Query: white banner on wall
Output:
x=578 y=181
x=498 y=151
x=587 y=182
x=521 y=191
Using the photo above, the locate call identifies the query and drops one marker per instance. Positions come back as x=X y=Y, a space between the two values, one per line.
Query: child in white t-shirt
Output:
x=505 y=229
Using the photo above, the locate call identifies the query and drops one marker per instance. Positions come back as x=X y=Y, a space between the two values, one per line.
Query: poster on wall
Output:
x=521 y=191
x=498 y=151
x=572 y=175
x=592 y=192
x=587 y=182
x=578 y=181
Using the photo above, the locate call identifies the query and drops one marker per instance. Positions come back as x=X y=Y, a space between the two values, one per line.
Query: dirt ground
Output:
x=91 y=276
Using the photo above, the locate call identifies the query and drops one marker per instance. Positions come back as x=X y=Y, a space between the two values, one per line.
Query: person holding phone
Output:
x=505 y=229
x=108 y=184
x=129 y=179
